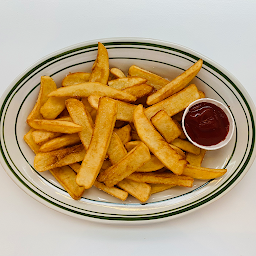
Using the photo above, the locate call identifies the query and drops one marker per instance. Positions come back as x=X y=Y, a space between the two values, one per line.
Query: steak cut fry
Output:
x=55 y=126
x=59 y=158
x=152 y=79
x=67 y=179
x=127 y=165
x=80 y=116
x=167 y=178
x=176 y=84
x=202 y=173
x=47 y=85
x=157 y=145
x=100 y=68
x=124 y=110
x=175 y=103
x=95 y=155
x=139 y=190
x=92 y=88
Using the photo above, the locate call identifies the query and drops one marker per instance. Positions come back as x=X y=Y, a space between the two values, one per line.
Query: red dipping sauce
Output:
x=206 y=124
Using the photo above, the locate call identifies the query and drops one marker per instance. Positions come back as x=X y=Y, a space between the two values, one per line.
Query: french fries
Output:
x=100 y=68
x=159 y=147
x=166 y=126
x=94 y=119
x=92 y=88
x=152 y=79
x=126 y=82
x=175 y=85
x=76 y=78
x=126 y=166
x=80 y=116
x=93 y=160
x=118 y=73
x=47 y=85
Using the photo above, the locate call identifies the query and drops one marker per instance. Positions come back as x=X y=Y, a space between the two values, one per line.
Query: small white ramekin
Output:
x=229 y=116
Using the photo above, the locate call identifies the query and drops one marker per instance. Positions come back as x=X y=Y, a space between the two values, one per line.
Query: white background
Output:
x=222 y=30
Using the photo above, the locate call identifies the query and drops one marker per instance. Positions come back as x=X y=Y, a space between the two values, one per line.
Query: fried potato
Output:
x=92 y=88
x=100 y=69
x=186 y=146
x=178 y=150
x=76 y=78
x=67 y=178
x=93 y=160
x=153 y=164
x=127 y=165
x=167 y=178
x=124 y=133
x=176 y=84
x=166 y=126
x=178 y=116
x=47 y=85
x=30 y=141
x=196 y=160
x=131 y=144
x=113 y=191
x=152 y=79
x=60 y=142
x=116 y=192
x=182 y=134
x=157 y=145
x=135 y=136
x=124 y=110
x=81 y=116
x=139 y=91
x=59 y=158
x=126 y=82
x=175 y=103
x=40 y=137
x=202 y=94
x=139 y=190
x=116 y=72
x=87 y=105
x=156 y=188
x=52 y=107
x=116 y=150
x=203 y=173
x=55 y=126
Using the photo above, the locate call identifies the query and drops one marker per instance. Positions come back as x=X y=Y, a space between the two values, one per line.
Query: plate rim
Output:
x=230 y=77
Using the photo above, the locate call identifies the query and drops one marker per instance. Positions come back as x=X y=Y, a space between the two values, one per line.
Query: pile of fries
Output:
x=119 y=133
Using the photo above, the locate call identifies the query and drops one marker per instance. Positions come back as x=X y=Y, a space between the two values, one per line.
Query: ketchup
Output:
x=206 y=124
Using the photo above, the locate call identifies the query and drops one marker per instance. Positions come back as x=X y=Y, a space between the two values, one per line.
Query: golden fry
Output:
x=59 y=158
x=76 y=78
x=127 y=165
x=28 y=137
x=118 y=73
x=139 y=91
x=100 y=69
x=139 y=190
x=95 y=155
x=162 y=178
x=186 y=146
x=126 y=82
x=166 y=126
x=67 y=178
x=60 y=142
x=80 y=116
x=40 y=136
x=152 y=79
x=124 y=133
x=175 y=103
x=176 y=84
x=203 y=173
x=55 y=126
x=196 y=160
x=157 y=145
x=92 y=88
x=47 y=85
x=156 y=188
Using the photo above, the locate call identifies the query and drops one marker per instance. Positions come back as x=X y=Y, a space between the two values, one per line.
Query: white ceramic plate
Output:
x=165 y=59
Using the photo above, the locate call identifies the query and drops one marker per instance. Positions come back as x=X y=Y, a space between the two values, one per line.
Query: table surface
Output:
x=32 y=29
